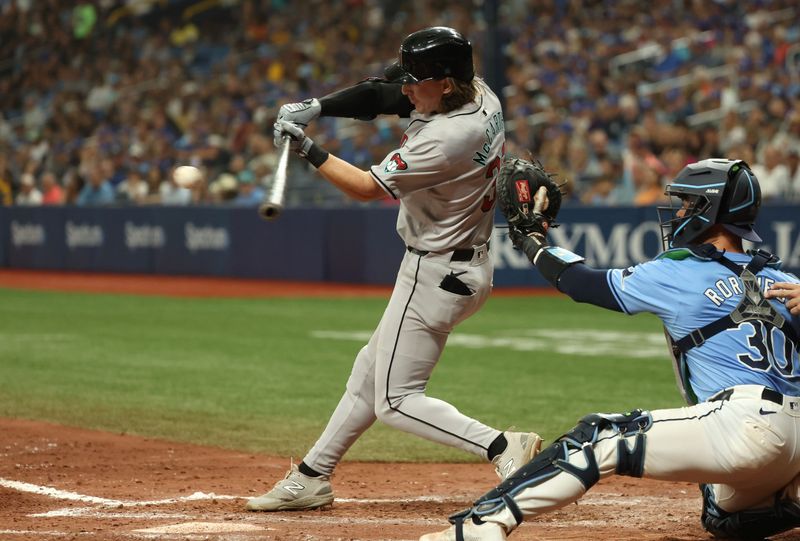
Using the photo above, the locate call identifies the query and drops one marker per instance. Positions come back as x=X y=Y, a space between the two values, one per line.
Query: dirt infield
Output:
x=59 y=481
x=62 y=482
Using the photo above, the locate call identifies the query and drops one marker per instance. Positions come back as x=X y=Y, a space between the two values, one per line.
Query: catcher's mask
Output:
x=710 y=192
x=432 y=53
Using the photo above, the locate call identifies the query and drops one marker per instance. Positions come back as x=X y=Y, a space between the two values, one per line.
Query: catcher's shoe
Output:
x=295 y=492
x=522 y=447
x=488 y=531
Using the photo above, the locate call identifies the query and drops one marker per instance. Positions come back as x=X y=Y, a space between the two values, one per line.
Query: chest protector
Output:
x=753 y=307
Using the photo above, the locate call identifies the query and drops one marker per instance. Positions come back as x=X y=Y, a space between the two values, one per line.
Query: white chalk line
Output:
x=28 y=533
x=54 y=493
x=414 y=499
x=592 y=499
x=74 y=496
x=102 y=509
x=94 y=512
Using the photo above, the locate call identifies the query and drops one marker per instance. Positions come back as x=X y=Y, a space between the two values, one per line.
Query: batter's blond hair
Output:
x=463 y=93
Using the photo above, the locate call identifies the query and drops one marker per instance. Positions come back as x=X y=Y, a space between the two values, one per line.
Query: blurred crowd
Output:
x=101 y=99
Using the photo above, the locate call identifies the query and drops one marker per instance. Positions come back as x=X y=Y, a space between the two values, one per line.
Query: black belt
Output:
x=766 y=394
x=772 y=396
x=461 y=254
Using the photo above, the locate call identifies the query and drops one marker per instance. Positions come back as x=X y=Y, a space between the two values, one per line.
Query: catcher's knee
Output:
x=573 y=454
x=629 y=429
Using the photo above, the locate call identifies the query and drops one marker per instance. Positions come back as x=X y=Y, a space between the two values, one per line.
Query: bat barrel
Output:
x=272 y=206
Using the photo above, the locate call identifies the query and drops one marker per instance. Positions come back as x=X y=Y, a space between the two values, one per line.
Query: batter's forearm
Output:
x=366 y=100
x=351 y=180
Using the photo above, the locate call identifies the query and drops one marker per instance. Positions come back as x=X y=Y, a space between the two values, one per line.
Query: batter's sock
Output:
x=305 y=470
x=497 y=446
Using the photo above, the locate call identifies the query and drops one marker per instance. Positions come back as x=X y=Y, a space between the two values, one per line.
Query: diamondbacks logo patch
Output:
x=395 y=163
x=523 y=190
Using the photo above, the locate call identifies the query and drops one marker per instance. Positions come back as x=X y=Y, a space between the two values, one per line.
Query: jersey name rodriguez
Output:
x=726 y=288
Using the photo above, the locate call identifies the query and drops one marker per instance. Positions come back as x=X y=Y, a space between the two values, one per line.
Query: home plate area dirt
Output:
x=61 y=482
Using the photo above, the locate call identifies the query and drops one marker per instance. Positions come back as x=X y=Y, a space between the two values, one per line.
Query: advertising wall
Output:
x=337 y=245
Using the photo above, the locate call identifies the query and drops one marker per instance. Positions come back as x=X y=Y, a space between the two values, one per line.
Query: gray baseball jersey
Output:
x=443 y=173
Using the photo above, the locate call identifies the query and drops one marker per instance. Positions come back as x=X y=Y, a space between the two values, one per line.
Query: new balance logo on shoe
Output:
x=293 y=487
x=522 y=447
x=507 y=469
x=294 y=492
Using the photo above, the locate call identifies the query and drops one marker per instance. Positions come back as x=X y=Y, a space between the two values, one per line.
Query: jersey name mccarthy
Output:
x=443 y=173
x=761 y=354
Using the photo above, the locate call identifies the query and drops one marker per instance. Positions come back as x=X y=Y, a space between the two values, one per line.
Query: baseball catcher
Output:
x=728 y=315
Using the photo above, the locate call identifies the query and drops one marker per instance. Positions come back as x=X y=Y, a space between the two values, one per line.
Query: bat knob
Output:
x=268 y=211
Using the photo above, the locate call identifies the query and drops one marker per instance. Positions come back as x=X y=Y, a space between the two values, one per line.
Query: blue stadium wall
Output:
x=305 y=244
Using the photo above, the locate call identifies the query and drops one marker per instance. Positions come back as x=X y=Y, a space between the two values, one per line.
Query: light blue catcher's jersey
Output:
x=689 y=293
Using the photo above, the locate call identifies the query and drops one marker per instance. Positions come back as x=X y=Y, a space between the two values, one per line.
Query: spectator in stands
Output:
x=29 y=195
x=250 y=194
x=6 y=186
x=133 y=190
x=604 y=189
x=224 y=188
x=172 y=194
x=97 y=191
x=154 y=180
x=113 y=87
x=578 y=174
x=793 y=161
x=649 y=190
x=73 y=185
x=52 y=192
x=772 y=173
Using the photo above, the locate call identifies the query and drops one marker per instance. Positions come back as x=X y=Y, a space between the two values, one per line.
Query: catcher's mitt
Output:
x=528 y=209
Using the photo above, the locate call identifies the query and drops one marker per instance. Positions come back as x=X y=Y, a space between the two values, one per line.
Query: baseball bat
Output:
x=272 y=206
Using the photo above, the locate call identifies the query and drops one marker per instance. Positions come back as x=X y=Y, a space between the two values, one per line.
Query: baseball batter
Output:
x=443 y=174
x=736 y=354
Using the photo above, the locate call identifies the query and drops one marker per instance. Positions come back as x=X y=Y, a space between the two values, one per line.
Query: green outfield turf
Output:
x=263 y=375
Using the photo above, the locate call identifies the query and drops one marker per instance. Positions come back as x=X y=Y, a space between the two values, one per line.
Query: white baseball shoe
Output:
x=522 y=447
x=295 y=492
x=488 y=531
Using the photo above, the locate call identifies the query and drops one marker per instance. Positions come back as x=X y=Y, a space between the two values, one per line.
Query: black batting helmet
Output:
x=432 y=53
x=715 y=191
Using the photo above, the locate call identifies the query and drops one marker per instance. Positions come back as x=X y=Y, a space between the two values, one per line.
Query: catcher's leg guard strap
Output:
x=457 y=520
x=631 y=462
x=460 y=530
x=750 y=523
x=560 y=458
x=513 y=507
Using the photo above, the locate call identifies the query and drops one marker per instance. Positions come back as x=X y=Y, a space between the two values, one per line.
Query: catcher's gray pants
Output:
x=391 y=372
x=746 y=446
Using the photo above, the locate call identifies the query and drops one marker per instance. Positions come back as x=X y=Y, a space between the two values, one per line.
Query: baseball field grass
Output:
x=263 y=375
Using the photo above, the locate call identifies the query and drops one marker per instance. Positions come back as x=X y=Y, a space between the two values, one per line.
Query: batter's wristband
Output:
x=316 y=155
